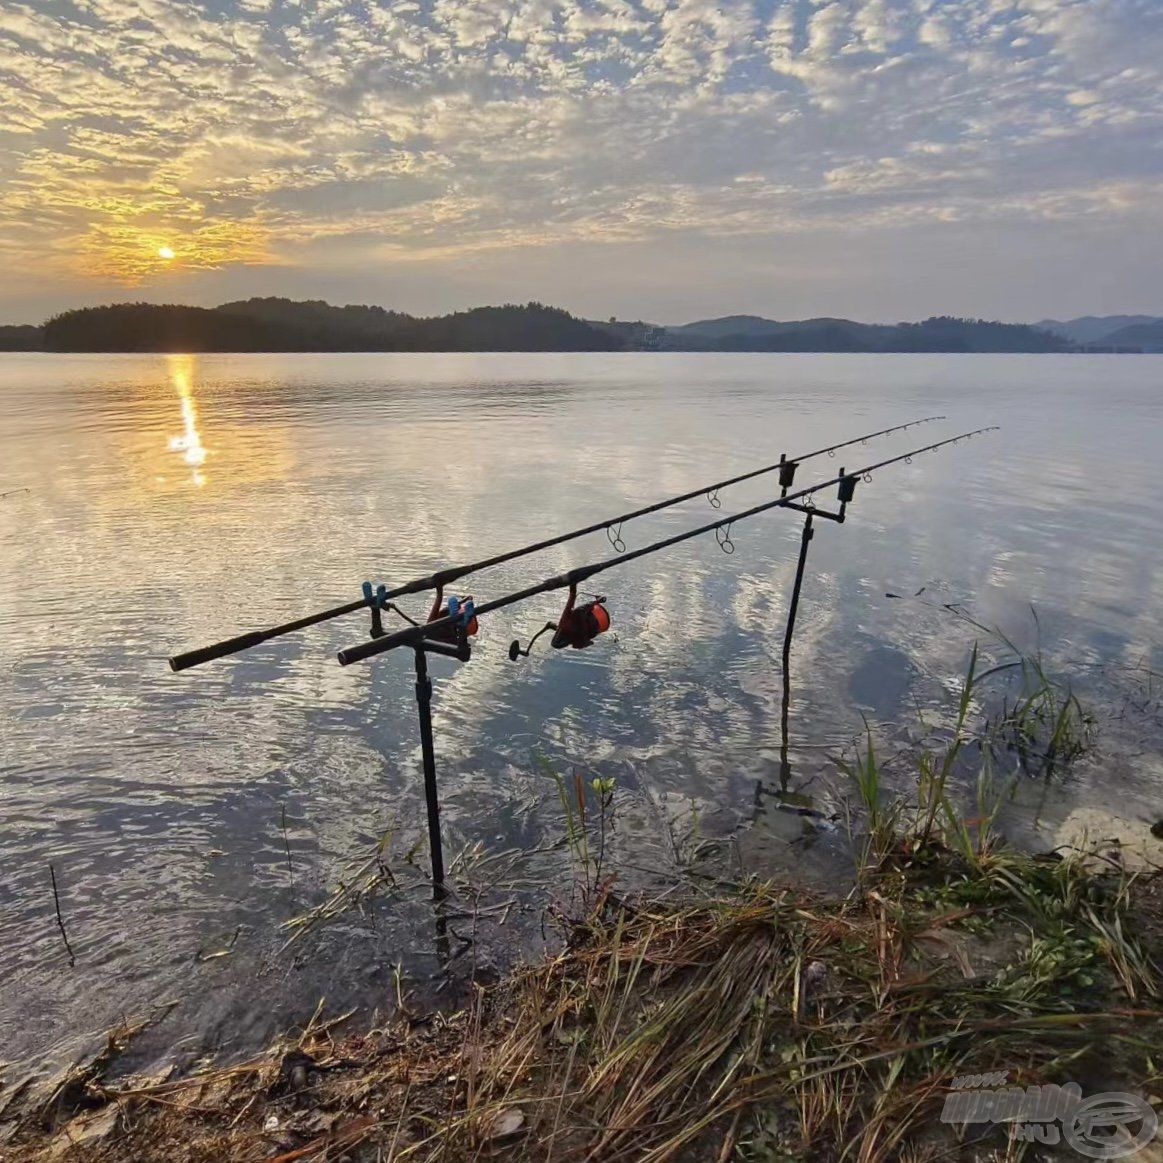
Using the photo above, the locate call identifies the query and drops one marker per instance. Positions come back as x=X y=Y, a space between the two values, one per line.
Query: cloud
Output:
x=298 y=133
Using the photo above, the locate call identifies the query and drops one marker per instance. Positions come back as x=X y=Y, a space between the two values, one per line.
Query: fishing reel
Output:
x=455 y=633
x=578 y=626
x=463 y=613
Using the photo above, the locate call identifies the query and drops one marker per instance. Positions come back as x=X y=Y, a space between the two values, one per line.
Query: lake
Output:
x=173 y=501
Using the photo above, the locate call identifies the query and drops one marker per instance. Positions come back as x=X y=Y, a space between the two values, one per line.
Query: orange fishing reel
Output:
x=578 y=626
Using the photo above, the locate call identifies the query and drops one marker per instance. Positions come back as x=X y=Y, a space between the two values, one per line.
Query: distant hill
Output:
x=278 y=324
x=729 y=326
x=942 y=333
x=1093 y=328
x=320 y=324
x=754 y=333
x=148 y=327
x=284 y=325
x=21 y=337
x=636 y=336
x=1145 y=336
x=533 y=327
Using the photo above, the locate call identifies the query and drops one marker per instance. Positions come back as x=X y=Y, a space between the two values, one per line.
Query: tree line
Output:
x=278 y=324
x=941 y=333
x=284 y=325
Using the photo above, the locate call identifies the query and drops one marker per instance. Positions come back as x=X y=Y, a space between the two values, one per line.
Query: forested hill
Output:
x=21 y=337
x=940 y=333
x=276 y=324
x=283 y=325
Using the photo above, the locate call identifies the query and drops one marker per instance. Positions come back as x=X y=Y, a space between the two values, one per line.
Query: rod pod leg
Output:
x=428 y=751
x=805 y=540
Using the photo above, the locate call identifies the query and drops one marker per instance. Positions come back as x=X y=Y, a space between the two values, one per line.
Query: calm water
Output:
x=174 y=501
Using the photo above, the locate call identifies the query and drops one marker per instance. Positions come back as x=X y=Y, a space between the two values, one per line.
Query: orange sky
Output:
x=648 y=158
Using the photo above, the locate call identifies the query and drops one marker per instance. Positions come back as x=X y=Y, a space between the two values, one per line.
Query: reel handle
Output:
x=515 y=650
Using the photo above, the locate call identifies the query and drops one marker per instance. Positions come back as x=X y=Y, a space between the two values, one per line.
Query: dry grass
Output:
x=761 y=1025
x=765 y=1025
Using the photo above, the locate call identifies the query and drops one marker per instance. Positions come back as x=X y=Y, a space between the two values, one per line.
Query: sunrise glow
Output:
x=589 y=154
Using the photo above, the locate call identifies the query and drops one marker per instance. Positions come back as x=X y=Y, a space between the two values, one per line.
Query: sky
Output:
x=658 y=159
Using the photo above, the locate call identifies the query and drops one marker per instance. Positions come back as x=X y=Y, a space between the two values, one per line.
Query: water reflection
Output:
x=189 y=444
x=159 y=797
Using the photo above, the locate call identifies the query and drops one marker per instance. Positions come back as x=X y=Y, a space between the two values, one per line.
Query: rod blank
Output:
x=413 y=635
x=454 y=573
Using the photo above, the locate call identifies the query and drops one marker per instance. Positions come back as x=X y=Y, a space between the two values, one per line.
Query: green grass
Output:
x=763 y=1023
x=1041 y=720
x=752 y=1022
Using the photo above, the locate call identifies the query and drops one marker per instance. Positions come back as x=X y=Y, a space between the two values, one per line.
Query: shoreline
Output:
x=750 y=1022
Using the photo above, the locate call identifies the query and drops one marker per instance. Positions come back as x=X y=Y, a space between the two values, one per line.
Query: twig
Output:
x=60 y=920
x=287 y=846
x=729 y=1141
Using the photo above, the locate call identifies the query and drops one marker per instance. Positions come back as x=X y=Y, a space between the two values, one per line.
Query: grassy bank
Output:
x=749 y=1021
x=758 y=1024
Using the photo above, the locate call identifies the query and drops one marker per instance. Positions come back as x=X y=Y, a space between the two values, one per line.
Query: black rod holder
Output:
x=428 y=753
x=785 y=710
x=823 y=513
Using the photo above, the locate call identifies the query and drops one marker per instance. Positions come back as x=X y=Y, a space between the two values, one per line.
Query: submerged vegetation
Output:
x=1041 y=720
x=730 y=1019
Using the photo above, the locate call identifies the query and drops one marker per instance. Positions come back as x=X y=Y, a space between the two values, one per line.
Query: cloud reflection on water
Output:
x=323 y=471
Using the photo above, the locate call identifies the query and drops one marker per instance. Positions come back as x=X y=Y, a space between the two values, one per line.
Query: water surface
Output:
x=176 y=500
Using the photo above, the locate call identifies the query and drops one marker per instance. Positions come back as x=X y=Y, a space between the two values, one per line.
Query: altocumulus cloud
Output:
x=434 y=150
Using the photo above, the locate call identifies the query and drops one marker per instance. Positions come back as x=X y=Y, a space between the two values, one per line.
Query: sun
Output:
x=166 y=252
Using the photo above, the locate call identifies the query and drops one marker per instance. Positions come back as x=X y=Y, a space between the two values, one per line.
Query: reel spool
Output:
x=577 y=627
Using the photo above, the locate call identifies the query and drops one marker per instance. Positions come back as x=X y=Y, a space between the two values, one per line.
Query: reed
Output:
x=1041 y=720
x=763 y=1023
x=745 y=1021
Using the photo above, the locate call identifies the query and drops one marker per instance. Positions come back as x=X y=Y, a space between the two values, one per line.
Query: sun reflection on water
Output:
x=189 y=444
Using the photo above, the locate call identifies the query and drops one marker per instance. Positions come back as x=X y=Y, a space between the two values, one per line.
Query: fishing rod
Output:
x=379 y=599
x=450 y=633
x=578 y=625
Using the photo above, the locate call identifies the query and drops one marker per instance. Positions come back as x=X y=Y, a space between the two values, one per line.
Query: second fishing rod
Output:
x=451 y=630
x=378 y=599
x=578 y=625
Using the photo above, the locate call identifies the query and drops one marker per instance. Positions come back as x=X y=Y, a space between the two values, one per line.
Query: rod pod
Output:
x=845 y=484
